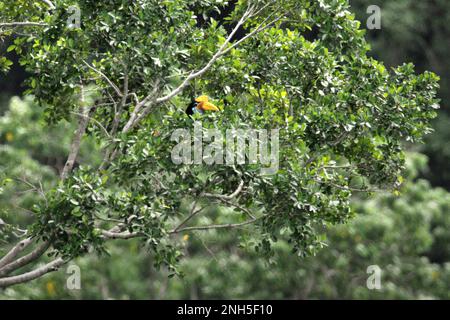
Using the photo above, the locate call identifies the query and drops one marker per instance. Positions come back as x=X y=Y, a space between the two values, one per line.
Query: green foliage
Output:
x=342 y=117
x=31 y=153
x=419 y=31
x=403 y=235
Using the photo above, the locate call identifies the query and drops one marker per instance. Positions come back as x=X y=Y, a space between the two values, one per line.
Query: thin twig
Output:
x=217 y=226
x=135 y=116
x=191 y=215
x=248 y=212
x=116 y=89
x=227 y=197
x=22 y=24
x=95 y=120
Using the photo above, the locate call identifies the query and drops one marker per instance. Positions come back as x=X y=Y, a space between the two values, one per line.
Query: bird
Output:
x=200 y=105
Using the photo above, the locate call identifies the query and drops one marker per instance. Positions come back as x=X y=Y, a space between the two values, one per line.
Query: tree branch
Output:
x=22 y=245
x=347 y=188
x=258 y=29
x=22 y=24
x=195 y=74
x=135 y=117
x=191 y=215
x=116 y=89
x=150 y=100
x=34 y=274
x=227 y=197
x=122 y=104
x=217 y=226
x=83 y=115
x=120 y=235
x=237 y=206
x=32 y=256
x=220 y=52
x=75 y=147
x=49 y=3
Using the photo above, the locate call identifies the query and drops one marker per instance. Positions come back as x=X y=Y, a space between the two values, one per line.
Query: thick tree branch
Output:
x=75 y=147
x=34 y=274
x=22 y=245
x=32 y=256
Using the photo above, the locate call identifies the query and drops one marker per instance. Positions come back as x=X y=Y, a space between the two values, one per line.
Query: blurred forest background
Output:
x=407 y=236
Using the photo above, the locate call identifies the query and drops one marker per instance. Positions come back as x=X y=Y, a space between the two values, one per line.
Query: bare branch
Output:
x=337 y=167
x=217 y=226
x=22 y=245
x=34 y=274
x=118 y=111
x=120 y=235
x=227 y=197
x=32 y=256
x=135 y=116
x=84 y=115
x=115 y=232
x=258 y=29
x=237 y=206
x=22 y=24
x=75 y=147
x=34 y=188
x=347 y=188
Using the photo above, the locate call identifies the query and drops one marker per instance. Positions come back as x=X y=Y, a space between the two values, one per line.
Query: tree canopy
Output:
x=126 y=74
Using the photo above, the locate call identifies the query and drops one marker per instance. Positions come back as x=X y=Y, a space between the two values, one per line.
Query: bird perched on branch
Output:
x=200 y=105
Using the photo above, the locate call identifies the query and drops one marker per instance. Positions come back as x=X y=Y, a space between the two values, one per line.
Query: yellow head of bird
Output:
x=205 y=105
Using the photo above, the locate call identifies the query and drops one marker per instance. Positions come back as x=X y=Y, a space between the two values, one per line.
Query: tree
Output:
x=419 y=30
x=403 y=235
x=406 y=236
x=126 y=75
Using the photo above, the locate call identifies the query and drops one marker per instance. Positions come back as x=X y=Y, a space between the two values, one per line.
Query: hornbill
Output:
x=200 y=105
